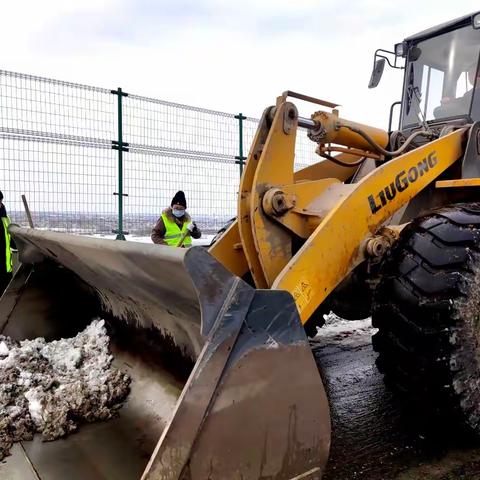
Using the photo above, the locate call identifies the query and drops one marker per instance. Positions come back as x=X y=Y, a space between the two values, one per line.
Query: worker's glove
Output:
x=191 y=227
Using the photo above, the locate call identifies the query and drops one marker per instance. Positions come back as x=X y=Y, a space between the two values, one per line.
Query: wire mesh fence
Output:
x=73 y=196
x=59 y=146
x=53 y=108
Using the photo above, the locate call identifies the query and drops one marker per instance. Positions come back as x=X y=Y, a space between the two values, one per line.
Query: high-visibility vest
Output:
x=8 y=252
x=173 y=233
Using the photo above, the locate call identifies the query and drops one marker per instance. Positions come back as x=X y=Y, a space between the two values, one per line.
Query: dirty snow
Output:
x=344 y=333
x=52 y=387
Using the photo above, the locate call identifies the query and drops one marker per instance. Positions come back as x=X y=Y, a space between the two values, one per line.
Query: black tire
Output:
x=427 y=309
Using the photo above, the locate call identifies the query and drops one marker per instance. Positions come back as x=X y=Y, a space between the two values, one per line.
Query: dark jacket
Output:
x=159 y=230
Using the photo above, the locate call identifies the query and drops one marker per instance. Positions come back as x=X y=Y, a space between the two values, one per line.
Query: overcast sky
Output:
x=230 y=56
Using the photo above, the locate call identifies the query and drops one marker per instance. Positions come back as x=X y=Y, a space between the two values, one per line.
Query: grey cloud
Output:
x=146 y=22
x=131 y=21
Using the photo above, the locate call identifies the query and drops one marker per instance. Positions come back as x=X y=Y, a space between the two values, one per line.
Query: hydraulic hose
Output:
x=379 y=148
x=341 y=163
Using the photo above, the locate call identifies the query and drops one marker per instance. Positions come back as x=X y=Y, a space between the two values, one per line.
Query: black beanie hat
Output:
x=179 y=199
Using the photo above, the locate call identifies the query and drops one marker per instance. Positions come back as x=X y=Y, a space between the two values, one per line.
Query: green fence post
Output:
x=121 y=147
x=240 y=159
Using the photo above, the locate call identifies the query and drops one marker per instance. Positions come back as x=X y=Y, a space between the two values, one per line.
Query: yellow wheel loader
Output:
x=224 y=385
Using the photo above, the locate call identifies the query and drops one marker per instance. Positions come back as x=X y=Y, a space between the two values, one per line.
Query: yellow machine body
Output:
x=252 y=404
x=338 y=221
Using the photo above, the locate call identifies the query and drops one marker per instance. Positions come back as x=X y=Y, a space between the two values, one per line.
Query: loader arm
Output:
x=346 y=235
x=338 y=221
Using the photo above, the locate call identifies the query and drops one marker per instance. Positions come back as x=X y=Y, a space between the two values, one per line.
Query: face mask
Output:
x=178 y=213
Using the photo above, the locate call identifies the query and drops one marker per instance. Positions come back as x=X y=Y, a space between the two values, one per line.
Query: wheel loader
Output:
x=224 y=385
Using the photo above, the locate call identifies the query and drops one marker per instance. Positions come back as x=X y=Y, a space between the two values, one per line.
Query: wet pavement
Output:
x=373 y=438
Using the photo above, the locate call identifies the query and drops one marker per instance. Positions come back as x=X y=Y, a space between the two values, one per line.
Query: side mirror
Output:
x=377 y=73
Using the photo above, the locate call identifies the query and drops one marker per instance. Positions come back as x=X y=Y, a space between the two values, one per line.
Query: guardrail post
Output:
x=240 y=159
x=121 y=147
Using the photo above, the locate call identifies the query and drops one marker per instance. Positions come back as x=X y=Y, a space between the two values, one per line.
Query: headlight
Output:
x=400 y=50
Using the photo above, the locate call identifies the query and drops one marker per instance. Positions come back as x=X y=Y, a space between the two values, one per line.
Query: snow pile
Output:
x=344 y=333
x=52 y=387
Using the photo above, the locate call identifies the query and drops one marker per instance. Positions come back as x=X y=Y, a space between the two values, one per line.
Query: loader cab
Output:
x=442 y=82
x=441 y=74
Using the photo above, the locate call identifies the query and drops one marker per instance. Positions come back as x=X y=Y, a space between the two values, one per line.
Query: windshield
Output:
x=441 y=79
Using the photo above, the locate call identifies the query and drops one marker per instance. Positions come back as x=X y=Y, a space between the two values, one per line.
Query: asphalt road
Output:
x=372 y=436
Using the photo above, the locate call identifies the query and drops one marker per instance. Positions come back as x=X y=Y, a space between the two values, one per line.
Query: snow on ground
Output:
x=52 y=387
x=344 y=333
x=205 y=240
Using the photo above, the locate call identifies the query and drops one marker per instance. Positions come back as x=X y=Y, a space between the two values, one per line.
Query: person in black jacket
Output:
x=6 y=245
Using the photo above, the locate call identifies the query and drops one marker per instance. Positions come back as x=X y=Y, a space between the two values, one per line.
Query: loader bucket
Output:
x=251 y=404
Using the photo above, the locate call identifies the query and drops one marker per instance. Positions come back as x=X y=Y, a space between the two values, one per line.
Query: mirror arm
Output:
x=378 y=55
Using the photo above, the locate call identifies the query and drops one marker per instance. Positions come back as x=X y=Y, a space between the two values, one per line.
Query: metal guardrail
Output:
x=95 y=160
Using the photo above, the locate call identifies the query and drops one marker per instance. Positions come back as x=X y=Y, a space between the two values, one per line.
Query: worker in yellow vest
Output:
x=175 y=227
x=6 y=245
